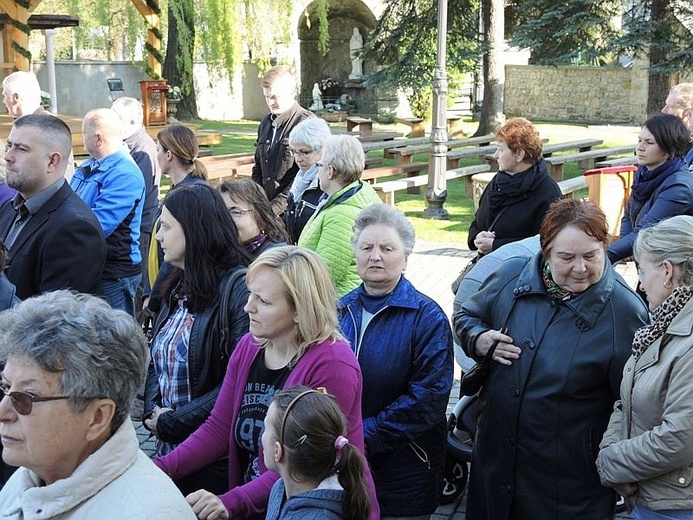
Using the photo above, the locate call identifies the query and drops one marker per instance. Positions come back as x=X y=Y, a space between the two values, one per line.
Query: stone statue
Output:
x=355 y=46
x=317 y=99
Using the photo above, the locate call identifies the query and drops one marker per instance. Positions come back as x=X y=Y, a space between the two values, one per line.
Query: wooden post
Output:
x=151 y=16
x=12 y=34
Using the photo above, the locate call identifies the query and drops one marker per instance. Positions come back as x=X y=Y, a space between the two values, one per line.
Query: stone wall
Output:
x=577 y=94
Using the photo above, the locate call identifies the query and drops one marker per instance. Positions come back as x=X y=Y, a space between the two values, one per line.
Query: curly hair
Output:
x=519 y=134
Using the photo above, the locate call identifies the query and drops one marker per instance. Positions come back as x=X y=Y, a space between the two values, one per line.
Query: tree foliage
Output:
x=403 y=45
x=578 y=32
x=178 y=66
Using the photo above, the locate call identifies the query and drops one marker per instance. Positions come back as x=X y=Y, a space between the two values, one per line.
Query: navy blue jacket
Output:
x=406 y=361
x=673 y=197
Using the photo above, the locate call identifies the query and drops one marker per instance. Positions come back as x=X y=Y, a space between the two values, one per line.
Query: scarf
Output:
x=552 y=288
x=255 y=243
x=506 y=189
x=662 y=317
x=302 y=181
x=647 y=181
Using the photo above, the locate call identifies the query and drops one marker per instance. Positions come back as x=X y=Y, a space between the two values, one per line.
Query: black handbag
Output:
x=456 y=284
x=472 y=381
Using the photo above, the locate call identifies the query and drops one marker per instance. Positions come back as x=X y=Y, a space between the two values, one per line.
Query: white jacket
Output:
x=117 y=482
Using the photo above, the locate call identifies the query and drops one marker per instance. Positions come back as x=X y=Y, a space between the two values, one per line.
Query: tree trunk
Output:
x=178 y=64
x=658 y=82
x=494 y=70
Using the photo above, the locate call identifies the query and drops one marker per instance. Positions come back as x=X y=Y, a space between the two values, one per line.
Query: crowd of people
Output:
x=291 y=370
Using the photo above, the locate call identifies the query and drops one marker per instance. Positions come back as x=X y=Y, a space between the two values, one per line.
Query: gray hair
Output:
x=672 y=240
x=311 y=132
x=128 y=109
x=384 y=215
x=25 y=84
x=345 y=154
x=98 y=351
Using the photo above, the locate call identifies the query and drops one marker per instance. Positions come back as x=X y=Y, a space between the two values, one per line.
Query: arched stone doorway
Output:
x=343 y=16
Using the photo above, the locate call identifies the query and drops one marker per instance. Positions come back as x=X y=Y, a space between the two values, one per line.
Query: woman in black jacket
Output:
x=514 y=203
x=201 y=320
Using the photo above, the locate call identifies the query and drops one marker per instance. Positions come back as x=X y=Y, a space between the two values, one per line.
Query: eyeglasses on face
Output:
x=23 y=403
x=237 y=213
x=300 y=153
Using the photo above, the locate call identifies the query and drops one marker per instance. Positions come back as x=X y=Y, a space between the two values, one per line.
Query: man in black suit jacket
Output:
x=54 y=239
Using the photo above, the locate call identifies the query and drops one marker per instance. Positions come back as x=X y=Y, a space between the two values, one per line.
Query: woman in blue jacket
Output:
x=403 y=342
x=663 y=186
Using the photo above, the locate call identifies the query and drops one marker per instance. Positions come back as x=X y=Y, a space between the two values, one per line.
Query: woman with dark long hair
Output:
x=663 y=185
x=200 y=321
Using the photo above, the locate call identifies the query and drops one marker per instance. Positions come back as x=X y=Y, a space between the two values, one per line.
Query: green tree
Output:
x=178 y=65
x=403 y=45
x=657 y=29
x=493 y=22
x=561 y=33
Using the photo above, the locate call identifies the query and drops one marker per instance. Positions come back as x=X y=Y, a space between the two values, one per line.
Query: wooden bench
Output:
x=415 y=123
x=403 y=155
x=391 y=144
x=557 y=162
x=454 y=156
x=386 y=190
x=365 y=126
x=570 y=186
x=373 y=174
x=379 y=136
x=623 y=161
x=454 y=125
x=224 y=167
x=582 y=145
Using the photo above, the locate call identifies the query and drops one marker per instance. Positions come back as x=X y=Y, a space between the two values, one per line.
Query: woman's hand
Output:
x=150 y=422
x=207 y=506
x=505 y=351
x=484 y=241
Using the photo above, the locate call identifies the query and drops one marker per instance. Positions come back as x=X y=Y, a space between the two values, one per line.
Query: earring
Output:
x=667 y=285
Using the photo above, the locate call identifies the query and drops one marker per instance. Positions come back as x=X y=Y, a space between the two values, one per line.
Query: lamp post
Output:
x=436 y=191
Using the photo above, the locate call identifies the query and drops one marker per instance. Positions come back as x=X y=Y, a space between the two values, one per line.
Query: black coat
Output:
x=61 y=247
x=206 y=363
x=540 y=420
x=521 y=214
x=274 y=167
x=298 y=214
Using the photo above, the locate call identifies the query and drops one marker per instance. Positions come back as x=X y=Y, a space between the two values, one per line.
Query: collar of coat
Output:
x=587 y=306
x=404 y=295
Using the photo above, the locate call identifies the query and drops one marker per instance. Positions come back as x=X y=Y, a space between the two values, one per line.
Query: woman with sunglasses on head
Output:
x=322 y=472
x=305 y=143
x=201 y=320
x=258 y=227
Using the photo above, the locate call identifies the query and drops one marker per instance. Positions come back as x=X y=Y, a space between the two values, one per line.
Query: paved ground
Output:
x=432 y=268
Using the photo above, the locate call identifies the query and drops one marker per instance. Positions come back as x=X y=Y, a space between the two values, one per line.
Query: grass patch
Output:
x=239 y=137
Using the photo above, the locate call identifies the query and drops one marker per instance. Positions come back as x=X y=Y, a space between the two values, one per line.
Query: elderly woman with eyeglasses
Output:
x=258 y=227
x=305 y=141
x=328 y=232
x=72 y=366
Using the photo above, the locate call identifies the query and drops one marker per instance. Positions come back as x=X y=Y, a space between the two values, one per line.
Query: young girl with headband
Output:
x=322 y=474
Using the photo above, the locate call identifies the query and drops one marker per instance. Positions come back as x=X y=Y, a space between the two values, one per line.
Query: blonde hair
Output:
x=345 y=154
x=310 y=292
